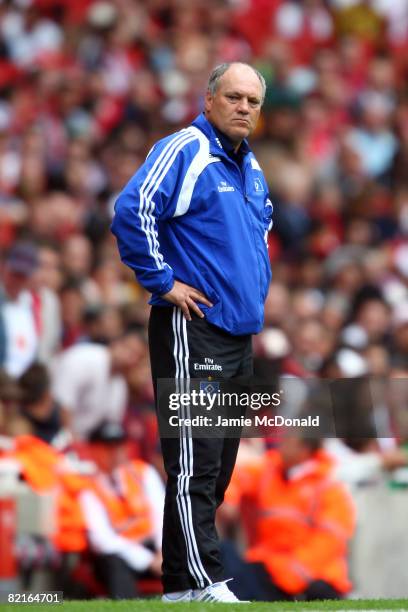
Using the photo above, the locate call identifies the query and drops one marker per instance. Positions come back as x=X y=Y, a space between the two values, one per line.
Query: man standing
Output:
x=192 y=223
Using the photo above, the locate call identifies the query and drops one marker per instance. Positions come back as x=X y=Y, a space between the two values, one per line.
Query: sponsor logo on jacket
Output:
x=258 y=185
x=222 y=187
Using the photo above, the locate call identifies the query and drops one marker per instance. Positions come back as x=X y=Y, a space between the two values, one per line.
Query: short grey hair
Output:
x=219 y=71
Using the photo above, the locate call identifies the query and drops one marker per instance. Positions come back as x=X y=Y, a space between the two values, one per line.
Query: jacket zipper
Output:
x=246 y=203
x=243 y=175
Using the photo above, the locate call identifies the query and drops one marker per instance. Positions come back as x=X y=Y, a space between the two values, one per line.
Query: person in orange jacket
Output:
x=115 y=512
x=304 y=521
x=122 y=509
x=46 y=470
x=37 y=461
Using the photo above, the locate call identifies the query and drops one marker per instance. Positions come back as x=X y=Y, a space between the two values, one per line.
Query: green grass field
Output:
x=103 y=605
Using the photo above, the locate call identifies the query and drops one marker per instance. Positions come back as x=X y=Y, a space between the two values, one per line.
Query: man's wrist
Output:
x=167 y=286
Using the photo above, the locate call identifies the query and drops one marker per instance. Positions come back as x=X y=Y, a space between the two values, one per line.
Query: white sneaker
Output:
x=177 y=596
x=218 y=591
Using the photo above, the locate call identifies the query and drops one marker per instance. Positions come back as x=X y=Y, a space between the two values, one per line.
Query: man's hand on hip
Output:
x=185 y=297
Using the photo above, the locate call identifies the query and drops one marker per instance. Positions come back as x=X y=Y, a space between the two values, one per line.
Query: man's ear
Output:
x=208 y=100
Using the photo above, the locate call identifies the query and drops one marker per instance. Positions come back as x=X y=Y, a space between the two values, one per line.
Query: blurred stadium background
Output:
x=86 y=88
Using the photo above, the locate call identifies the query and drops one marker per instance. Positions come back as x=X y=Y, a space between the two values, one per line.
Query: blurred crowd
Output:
x=86 y=88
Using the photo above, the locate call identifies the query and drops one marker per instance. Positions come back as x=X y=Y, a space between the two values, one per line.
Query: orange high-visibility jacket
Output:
x=44 y=469
x=130 y=512
x=303 y=523
x=71 y=530
x=38 y=462
x=128 y=509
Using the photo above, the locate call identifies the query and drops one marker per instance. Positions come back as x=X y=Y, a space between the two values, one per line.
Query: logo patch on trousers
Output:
x=209 y=387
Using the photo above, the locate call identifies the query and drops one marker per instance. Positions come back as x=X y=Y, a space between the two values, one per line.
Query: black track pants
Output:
x=198 y=469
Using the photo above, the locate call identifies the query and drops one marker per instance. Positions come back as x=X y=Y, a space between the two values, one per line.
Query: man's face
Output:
x=49 y=272
x=14 y=283
x=235 y=107
x=127 y=353
x=109 y=456
x=293 y=451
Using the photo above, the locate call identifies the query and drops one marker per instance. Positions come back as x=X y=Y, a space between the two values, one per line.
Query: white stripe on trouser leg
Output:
x=181 y=506
x=188 y=447
x=186 y=452
x=176 y=353
x=189 y=444
x=187 y=459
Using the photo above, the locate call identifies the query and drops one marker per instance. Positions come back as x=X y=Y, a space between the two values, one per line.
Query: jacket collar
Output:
x=216 y=147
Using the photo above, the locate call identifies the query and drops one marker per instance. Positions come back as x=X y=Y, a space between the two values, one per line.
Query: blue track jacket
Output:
x=190 y=214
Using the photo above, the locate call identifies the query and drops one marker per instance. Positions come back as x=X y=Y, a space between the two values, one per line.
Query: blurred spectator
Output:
x=312 y=344
x=29 y=36
x=101 y=324
x=77 y=264
x=373 y=317
x=299 y=542
x=88 y=381
x=358 y=18
x=11 y=422
x=19 y=334
x=374 y=142
x=46 y=305
x=122 y=512
x=73 y=305
x=45 y=417
x=362 y=461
